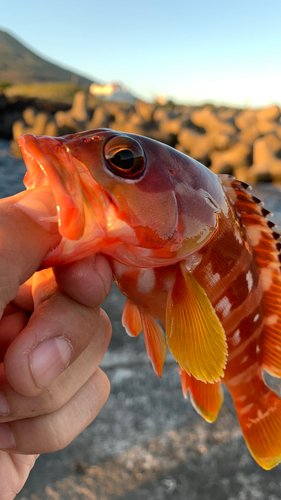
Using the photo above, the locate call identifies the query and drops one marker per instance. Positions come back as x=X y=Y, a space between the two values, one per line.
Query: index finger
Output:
x=23 y=242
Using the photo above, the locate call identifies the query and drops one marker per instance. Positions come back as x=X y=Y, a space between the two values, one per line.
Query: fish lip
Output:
x=43 y=169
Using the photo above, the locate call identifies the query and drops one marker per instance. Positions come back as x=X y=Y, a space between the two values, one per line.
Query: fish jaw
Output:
x=81 y=213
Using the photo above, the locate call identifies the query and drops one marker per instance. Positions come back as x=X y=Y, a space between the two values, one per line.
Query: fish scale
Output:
x=193 y=252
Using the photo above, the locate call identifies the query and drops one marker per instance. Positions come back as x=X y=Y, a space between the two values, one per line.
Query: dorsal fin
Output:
x=263 y=238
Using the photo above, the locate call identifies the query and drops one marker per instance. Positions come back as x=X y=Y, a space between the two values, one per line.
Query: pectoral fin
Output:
x=194 y=333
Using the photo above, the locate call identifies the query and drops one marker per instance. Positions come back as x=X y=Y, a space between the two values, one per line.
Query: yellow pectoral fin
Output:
x=194 y=333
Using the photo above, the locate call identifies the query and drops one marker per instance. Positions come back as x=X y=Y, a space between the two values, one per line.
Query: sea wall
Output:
x=243 y=142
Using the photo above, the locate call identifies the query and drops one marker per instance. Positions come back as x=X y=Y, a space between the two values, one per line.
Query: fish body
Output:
x=193 y=253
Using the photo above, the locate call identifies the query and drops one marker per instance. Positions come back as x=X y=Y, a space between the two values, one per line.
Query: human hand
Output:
x=52 y=339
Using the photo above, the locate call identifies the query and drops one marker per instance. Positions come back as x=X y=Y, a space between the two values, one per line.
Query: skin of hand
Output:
x=53 y=336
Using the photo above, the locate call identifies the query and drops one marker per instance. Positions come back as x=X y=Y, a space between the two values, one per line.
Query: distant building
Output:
x=161 y=99
x=112 y=92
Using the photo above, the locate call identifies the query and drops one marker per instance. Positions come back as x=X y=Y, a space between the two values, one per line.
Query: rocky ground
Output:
x=242 y=142
x=148 y=443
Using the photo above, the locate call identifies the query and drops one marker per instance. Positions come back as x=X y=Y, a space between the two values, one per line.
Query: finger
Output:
x=87 y=281
x=12 y=322
x=24 y=297
x=14 y=406
x=14 y=472
x=24 y=244
x=56 y=430
x=57 y=333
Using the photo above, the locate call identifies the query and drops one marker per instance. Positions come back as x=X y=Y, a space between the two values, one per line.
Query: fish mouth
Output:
x=44 y=169
x=49 y=163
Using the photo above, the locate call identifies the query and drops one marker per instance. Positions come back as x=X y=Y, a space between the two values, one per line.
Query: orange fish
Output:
x=192 y=251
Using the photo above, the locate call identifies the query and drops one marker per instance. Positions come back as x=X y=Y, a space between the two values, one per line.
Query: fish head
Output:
x=131 y=197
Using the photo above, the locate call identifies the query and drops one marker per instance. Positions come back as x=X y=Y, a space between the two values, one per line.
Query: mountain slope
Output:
x=18 y=64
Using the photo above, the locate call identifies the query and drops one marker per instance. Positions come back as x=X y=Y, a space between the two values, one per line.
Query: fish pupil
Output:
x=123 y=159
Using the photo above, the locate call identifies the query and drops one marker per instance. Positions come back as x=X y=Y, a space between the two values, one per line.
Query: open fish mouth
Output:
x=49 y=163
x=45 y=168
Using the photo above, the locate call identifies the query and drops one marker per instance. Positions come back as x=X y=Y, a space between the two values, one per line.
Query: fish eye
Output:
x=124 y=157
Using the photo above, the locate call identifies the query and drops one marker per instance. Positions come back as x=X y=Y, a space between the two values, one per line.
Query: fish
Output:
x=193 y=252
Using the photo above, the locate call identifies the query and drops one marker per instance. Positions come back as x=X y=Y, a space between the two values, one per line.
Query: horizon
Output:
x=224 y=54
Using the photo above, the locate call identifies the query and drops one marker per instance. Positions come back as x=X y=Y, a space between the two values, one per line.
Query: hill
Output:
x=18 y=64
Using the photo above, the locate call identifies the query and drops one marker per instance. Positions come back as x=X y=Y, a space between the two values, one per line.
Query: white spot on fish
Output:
x=212 y=278
x=238 y=236
x=236 y=338
x=146 y=280
x=255 y=234
x=223 y=306
x=260 y=414
x=216 y=278
x=271 y=320
x=266 y=277
x=241 y=398
x=256 y=317
x=258 y=349
x=118 y=269
x=246 y=409
x=249 y=278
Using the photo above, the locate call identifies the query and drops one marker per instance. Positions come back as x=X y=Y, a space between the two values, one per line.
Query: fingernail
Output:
x=4 y=408
x=7 y=439
x=40 y=205
x=104 y=270
x=49 y=359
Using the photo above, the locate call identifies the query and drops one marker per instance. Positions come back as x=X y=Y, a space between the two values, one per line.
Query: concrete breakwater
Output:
x=245 y=143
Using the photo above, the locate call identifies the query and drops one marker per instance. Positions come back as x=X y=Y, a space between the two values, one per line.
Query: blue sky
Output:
x=191 y=51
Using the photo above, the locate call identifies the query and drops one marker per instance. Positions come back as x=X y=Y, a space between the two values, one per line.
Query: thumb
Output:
x=25 y=238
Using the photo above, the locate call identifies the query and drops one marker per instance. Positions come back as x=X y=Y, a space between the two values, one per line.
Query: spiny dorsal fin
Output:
x=194 y=333
x=263 y=238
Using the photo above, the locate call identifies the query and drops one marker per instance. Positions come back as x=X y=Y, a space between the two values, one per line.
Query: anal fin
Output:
x=260 y=420
x=206 y=399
